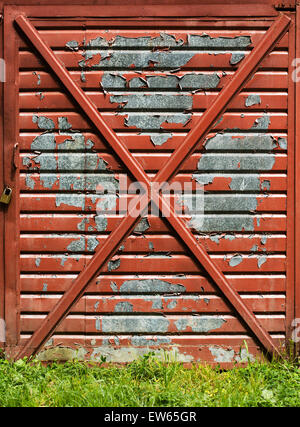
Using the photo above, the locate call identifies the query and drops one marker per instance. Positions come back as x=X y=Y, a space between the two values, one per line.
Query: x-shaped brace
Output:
x=195 y=138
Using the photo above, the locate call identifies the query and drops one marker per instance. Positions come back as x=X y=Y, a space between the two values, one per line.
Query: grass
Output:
x=147 y=383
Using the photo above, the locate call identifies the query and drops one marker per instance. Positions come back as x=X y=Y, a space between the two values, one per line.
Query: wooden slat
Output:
x=201 y=101
x=165 y=243
x=141 y=264
x=43 y=81
x=153 y=162
x=136 y=324
x=124 y=284
x=278 y=121
x=276 y=60
x=59 y=39
x=212 y=203
x=156 y=304
x=70 y=222
x=133 y=141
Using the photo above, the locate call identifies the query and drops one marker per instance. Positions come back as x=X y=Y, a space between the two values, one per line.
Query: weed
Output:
x=149 y=381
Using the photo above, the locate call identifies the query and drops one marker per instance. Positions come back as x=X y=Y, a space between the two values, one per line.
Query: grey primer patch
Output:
x=113 y=265
x=83 y=160
x=123 y=307
x=151 y=246
x=236 y=58
x=77 y=200
x=156 y=303
x=248 y=166
x=208 y=42
x=82 y=224
x=142 y=226
x=37 y=262
x=282 y=143
x=221 y=355
x=101 y=222
x=130 y=324
x=43 y=122
x=167 y=59
x=45 y=287
x=44 y=142
x=172 y=304
x=235 y=260
x=63 y=124
x=114 y=287
x=29 y=182
x=64 y=258
x=264 y=239
x=92 y=243
x=142 y=59
x=77 y=245
x=150 y=285
x=234 y=141
x=138 y=341
x=171 y=59
x=147 y=122
x=252 y=100
x=98 y=324
x=265 y=185
x=215 y=238
x=244 y=356
x=230 y=237
x=72 y=45
x=150 y=102
x=261 y=259
x=262 y=123
x=199 y=323
x=38 y=77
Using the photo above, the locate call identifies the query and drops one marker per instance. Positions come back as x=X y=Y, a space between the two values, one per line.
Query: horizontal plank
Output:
x=137 y=142
x=85 y=38
x=44 y=81
x=128 y=101
x=156 y=243
x=155 y=304
x=212 y=223
x=224 y=350
x=190 y=61
x=150 y=284
x=79 y=162
x=37 y=182
x=152 y=324
x=111 y=204
x=147 y=264
x=274 y=121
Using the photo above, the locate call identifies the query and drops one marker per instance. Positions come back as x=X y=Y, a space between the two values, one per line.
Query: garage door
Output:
x=151 y=165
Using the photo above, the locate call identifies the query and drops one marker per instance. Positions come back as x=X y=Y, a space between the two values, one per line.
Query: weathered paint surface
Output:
x=152 y=87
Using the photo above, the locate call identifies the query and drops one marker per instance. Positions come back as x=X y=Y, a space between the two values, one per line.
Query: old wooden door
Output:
x=106 y=95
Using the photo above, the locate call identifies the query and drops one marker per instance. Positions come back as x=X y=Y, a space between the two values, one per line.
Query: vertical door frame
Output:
x=296 y=320
x=11 y=212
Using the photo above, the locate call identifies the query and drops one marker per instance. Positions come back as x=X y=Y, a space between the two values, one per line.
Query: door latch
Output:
x=6 y=196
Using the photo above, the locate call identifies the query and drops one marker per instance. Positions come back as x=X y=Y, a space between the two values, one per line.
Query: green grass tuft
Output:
x=147 y=382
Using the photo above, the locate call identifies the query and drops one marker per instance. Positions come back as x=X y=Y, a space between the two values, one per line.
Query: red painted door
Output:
x=203 y=104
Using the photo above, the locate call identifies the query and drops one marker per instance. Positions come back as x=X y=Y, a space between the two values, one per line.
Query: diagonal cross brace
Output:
x=194 y=138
